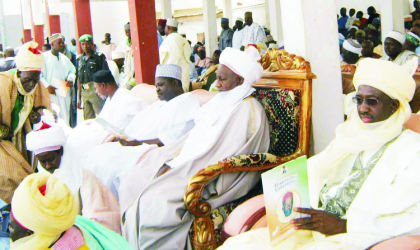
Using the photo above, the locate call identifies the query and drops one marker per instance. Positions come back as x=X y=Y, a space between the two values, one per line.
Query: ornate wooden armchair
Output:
x=347 y=73
x=285 y=91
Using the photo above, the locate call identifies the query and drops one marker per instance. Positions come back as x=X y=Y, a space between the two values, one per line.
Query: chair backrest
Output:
x=285 y=91
x=347 y=73
x=145 y=92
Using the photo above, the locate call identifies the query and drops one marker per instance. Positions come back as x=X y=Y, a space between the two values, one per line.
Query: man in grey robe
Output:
x=231 y=123
x=226 y=36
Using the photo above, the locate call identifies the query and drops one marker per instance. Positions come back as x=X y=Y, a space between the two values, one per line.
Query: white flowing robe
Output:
x=60 y=68
x=166 y=121
x=175 y=49
x=237 y=39
x=245 y=130
x=403 y=57
x=119 y=111
x=387 y=205
x=253 y=34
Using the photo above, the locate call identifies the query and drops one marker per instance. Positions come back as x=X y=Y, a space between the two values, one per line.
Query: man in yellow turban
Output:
x=19 y=94
x=44 y=216
x=364 y=186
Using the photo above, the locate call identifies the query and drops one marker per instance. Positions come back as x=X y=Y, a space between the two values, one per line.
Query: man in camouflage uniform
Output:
x=88 y=63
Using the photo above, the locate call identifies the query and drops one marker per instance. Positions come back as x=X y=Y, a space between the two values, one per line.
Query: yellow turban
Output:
x=29 y=58
x=354 y=136
x=49 y=215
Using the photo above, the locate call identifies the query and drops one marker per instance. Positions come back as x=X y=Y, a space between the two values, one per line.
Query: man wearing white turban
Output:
x=363 y=187
x=395 y=50
x=44 y=216
x=231 y=123
x=94 y=200
x=19 y=94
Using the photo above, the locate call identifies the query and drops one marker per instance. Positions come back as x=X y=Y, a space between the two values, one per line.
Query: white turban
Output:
x=117 y=55
x=352 y=48
x=396 y=36
x=29 y=58
x=353 y=136
x=46 y=140
x=243 y=63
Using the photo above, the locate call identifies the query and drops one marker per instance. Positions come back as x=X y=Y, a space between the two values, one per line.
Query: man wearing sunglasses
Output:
x=363 y=187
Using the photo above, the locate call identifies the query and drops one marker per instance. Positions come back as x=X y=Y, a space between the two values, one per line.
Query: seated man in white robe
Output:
x=119 y=110
x=363 y=187
x=94 y=200
x=162 y=123
x=231 y=123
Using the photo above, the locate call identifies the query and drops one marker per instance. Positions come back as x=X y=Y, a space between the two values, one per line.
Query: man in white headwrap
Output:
x=162 y=123
x=231 y=123
x=94 y=200
x=175 y=49
x=363 y=187
x=350 y=52
x=19 y=94
x=394 y=50
x=116 y=65
x=237 y=36
x=58 y=72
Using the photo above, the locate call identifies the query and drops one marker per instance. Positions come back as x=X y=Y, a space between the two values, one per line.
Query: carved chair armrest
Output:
x=204 y=233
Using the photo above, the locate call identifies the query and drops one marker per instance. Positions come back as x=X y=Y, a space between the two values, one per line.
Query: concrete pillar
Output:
x=275 y=19
x=210 y=31
x=144 y=39
x=392 y=16
x=311 y=32
x=2 y=26
x=37 y=22
x=52 y=10
x=227 y=11
x=165 y=9
x=267 y=14
x=26 y=20
x=82 y=19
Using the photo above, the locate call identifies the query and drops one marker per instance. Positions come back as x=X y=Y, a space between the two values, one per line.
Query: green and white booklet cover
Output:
x=285 y=187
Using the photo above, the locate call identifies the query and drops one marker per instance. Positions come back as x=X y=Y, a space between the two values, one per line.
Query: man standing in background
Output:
x=107 y=47
x=161 y=30
x=253 y=33
x=58 y=70
x=89 y=63
x=175 y=49
x=226 y=36
x=237 y=36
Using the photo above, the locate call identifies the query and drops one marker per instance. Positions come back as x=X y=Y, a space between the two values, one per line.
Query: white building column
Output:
x=210 y=31
x=227 y=11
x=275 y=20
x=311 y=32
x=166 y=9
x=392 y=16
x=267 y=14
x=2 y=26
x=26 y=20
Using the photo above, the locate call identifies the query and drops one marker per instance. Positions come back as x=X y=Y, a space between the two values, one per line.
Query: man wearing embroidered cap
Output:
x=175 y=49
x=253 y=33
x=88 y=63
x=162 y=123
x=226 y=36
x=44 y=216
x=231 y=123
x=60 y=73
x=237 y=36
x=393 y=44
x=363 y=186
x=19 y=94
